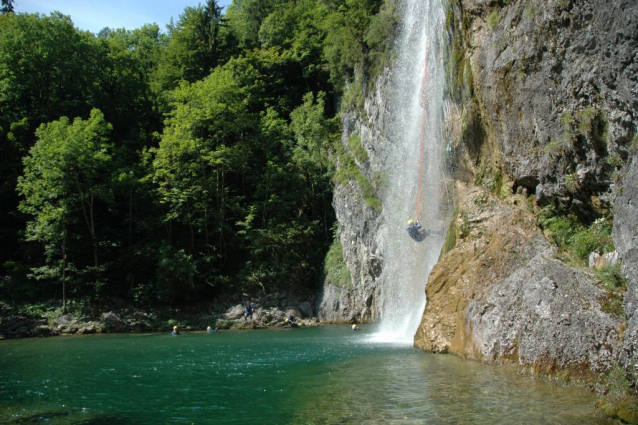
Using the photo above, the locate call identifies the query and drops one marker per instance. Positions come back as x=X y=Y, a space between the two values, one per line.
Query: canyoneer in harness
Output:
x=415 y=231
x=414 y=226
x=419 y=234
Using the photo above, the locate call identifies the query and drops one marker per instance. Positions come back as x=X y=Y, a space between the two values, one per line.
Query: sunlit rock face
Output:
x=626 y=241
x=499 y=295
x=555 y=85
x=360 y=229
x=546 y=108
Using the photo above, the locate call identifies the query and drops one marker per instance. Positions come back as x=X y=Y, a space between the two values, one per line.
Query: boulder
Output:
x=234 y=313
x=597 y=261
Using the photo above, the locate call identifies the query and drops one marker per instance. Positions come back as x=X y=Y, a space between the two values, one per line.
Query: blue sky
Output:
x=93 y=15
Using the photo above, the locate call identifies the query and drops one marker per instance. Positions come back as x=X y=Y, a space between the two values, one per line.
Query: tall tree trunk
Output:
x=96 y=263
x=64 y=259
x=190 y=226
x=90 y=222
x=130 y=217
x=169 y=231
x=221 y=225
x=206 y=207
x=130 y=231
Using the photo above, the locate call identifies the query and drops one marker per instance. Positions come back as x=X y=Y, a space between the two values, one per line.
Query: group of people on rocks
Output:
x=290 y=322
x=415 y=231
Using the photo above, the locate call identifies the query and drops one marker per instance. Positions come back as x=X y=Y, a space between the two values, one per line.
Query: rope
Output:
x=425 y=75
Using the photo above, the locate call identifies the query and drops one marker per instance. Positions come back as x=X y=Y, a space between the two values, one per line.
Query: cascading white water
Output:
x=407 y=263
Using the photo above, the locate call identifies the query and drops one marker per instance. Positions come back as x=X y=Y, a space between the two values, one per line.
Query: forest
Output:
x=172 y=166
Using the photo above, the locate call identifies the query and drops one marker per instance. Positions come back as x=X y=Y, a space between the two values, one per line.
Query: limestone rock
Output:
x=597 y=261
x=625 y=234
x=235 y=312
x=545 y=314
x=549 y=99
x=499 y=295
x=361 y=227
x=113 y=322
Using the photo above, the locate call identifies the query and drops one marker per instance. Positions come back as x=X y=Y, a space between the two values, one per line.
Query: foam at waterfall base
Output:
x=391 y=338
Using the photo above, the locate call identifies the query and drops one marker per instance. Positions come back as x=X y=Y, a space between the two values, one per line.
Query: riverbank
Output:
x=114 y=316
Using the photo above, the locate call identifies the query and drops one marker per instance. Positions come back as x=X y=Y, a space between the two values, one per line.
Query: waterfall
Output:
x=407 y=263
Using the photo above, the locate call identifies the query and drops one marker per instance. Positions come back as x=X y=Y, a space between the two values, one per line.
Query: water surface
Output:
x=326 y=375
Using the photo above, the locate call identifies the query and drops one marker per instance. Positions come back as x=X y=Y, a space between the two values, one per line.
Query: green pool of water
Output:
x=326 y=375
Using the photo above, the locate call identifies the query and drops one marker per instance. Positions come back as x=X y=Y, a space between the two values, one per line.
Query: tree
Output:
x=41 y=78
x=356 y=34
x=7 y=6
x=65 y=175
x=245 y=18
x=203 y=149
x=195 y=44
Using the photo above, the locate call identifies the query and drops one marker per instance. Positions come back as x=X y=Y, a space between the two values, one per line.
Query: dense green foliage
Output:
x=576 y=239
x=172 y=167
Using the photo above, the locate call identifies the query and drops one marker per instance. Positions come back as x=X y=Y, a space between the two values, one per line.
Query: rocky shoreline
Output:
x=42 y=322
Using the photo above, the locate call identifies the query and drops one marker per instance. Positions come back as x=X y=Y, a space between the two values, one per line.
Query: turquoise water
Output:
x=325 y=375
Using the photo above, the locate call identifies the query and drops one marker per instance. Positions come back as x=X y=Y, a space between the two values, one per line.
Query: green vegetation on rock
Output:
x=492 y=20
x=355 y=146
x=335 y=268
x=348 y=171
x=620 y=401
x=575 y=239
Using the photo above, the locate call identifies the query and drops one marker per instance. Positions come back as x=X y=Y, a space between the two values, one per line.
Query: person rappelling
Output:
x=419 y=234
x=414 y=227
x=415 y=231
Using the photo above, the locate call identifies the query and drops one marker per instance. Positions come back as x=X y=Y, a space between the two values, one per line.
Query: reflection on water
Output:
x=315 y=376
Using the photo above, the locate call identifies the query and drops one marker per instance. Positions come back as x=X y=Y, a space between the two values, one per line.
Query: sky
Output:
x=93 y=15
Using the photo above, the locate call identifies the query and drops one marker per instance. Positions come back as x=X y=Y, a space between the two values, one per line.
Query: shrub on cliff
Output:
x=574 y=238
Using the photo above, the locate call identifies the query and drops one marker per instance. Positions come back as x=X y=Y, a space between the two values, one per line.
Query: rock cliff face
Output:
x=546 y=100
x=543 y=111
x=556 y=85
x=361 y=226
x=500 y=295
x=626 y=240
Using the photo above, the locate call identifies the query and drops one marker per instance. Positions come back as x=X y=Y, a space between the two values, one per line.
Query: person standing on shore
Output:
x=248 y=311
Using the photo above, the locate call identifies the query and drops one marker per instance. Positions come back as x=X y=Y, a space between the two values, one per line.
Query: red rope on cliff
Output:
x=425 y=68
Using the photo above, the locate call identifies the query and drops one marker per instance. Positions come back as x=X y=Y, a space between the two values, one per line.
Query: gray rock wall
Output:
x=554 y=107
x=626 y=241
x=557 y=85
x=361 y=227
x=547 y=315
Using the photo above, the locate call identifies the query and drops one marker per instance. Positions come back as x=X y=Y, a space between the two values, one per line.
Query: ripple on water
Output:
x=319 y=375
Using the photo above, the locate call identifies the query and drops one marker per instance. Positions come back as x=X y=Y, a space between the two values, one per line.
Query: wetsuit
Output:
x=249 y=312
x=415 y=232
